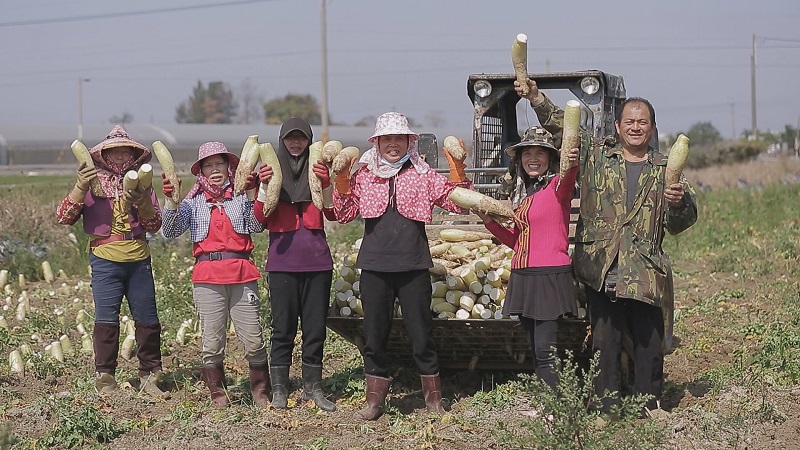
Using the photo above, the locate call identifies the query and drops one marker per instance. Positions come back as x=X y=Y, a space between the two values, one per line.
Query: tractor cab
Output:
x=501 y=116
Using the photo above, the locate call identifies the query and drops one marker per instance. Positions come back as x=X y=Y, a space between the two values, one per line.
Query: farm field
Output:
x=732 y=380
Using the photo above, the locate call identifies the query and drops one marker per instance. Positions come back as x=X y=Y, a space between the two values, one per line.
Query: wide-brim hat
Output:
x=534 y=137
x=392 y=123
x=118 y=137
x=214 y=148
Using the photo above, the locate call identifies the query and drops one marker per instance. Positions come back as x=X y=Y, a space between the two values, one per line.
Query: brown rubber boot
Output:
x=377 y=389
x=148 y=339
x=260 y=385
x=106 y=349
x=312 y=387
x=214 y=376
x=432 y=390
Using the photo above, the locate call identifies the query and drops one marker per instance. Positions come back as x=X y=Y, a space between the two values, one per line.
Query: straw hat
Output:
x=118 y=137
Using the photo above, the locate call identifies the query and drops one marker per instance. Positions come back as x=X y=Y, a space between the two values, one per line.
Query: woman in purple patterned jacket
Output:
x=117 y=222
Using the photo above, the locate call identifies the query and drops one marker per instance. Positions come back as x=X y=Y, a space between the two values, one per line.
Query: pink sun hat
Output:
x=214 y=148
x=392 y=123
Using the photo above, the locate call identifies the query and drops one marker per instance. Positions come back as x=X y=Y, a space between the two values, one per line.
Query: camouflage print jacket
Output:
x=606 y=229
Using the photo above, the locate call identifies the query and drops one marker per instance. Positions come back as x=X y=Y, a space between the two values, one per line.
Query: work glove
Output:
x=342 y=180
x=168 y=189
x=456 y=167
x=166 y=186
x=85 y=175
x=251 y=182
x=139 y=197
x=264 y=174
x=321 y=171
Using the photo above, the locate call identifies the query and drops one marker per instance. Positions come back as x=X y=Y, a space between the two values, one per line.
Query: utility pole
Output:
x=80 y=107
x=754 y=125
x=797 y=140
x=733 y=120
x=324 y=75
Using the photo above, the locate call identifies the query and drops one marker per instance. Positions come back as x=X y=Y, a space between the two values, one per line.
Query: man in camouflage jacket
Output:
x=625 y=208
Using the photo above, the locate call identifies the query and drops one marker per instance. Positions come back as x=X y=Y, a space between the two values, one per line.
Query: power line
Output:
x=23 y=23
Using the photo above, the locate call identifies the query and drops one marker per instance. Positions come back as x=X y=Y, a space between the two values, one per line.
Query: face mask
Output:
x=399 y=162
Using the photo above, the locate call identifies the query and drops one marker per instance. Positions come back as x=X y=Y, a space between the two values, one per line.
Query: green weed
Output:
x=75 y=423
x=7 y=438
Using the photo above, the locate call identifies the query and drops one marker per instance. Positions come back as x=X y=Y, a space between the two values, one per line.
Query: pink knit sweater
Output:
x=540 y=237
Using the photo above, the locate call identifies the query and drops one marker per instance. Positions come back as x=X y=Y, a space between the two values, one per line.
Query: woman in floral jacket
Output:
x=395 y=191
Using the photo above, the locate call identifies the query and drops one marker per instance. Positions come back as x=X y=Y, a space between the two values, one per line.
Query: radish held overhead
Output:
x=247 y=164
x=82 y=155
x=314 y=183
x=329 y=151
x=164 y=158
x=344 y=157
x=571 y=137
x=677 y=160
x=454 y=147
x=519 y=56
x=145 y=176
x=272 y=190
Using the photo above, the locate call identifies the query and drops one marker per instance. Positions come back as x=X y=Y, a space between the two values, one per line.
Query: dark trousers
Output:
x=111 y=281
x=294 y=295
x=378 y=290
x=542 y=337
x=646 y=324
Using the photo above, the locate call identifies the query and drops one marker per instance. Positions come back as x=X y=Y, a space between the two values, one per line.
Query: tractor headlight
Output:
x=590 y=85
x=482 y=88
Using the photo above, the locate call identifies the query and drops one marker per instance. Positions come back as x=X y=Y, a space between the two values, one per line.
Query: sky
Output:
x=690 y=58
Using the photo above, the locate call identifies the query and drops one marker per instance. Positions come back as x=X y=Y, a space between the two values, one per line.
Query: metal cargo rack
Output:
x=471 y=344
x=493 y=344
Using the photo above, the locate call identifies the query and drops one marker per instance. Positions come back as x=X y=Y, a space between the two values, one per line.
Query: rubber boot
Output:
x=149 y=385
x=148 y=339
x=432 y=390
x=312 y=387
x=280 y=386
x=106 y=349
x=214 y=376
x=259 y=385
x=377 y=389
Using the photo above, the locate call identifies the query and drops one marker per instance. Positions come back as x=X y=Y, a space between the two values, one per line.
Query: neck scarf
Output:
x=382 y=168
x=111 y=175
x=202 y=184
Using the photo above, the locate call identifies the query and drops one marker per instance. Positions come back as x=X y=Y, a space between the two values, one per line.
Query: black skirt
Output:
x=541 y=293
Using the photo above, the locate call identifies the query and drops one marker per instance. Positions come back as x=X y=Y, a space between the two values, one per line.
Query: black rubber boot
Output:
x=312 y=387
x=280 y=386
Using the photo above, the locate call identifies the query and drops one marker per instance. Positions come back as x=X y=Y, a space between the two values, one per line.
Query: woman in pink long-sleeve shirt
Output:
x=540 y=289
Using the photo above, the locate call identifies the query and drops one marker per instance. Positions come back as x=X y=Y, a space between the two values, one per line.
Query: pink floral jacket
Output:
x=416 y=195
